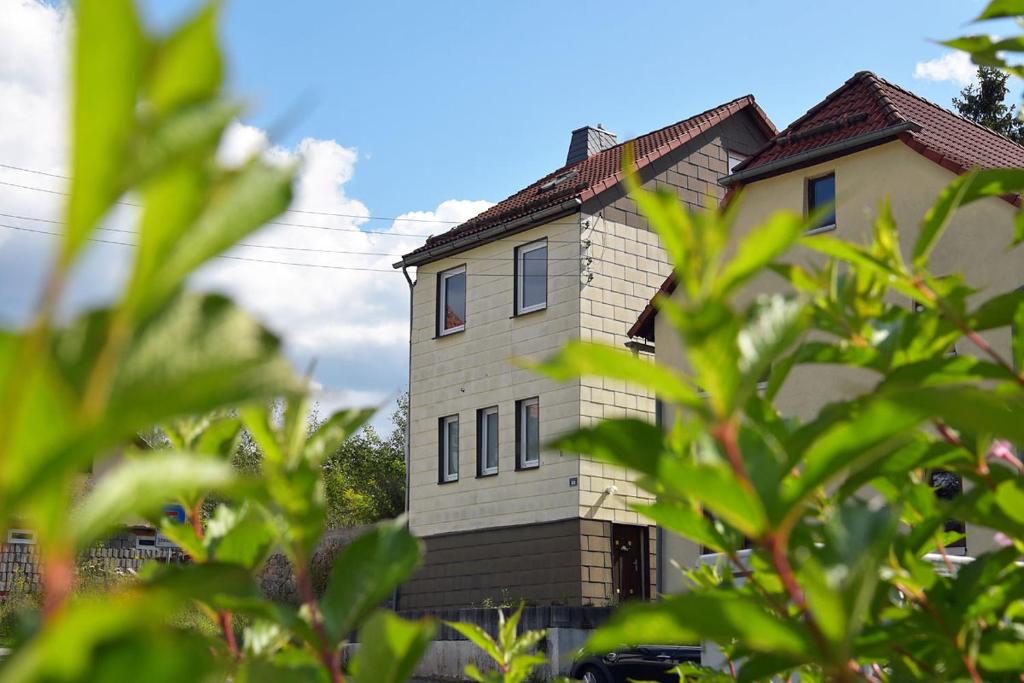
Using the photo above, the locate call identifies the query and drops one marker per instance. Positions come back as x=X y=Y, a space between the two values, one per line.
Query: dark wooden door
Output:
x=629 y=561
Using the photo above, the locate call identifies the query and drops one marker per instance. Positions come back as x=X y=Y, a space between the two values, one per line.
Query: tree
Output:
x=366 y=476
x=984 y=102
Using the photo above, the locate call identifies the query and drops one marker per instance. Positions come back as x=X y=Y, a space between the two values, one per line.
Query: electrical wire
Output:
x=284 y=247
x=255 y=260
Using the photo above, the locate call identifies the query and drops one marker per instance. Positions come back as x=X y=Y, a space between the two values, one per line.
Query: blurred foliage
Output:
x=839 y=509
x=837 y=587
x=106 y=385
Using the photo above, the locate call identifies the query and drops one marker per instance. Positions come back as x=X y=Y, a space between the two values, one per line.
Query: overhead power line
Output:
x=306 y=211
x=285 y=247
x=255 y=260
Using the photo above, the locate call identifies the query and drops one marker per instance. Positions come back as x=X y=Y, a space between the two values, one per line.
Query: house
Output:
x=568 y=257
x=867 y=140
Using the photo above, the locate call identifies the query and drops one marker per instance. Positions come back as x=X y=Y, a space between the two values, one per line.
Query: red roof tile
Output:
x=588 y=178
x=869 y=104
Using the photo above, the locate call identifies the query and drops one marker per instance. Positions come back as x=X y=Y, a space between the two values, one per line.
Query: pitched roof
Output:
x=863 y=109
x=868 y=106
x=586 y=179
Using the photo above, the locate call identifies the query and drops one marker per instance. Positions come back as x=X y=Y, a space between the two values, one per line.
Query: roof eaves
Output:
x=488 y=234
x=947 y=162
x=813 y=155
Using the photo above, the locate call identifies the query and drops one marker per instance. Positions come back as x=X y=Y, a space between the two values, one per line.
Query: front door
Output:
x=629 y=561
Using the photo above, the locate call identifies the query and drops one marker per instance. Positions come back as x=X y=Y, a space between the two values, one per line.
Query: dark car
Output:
x=641 y=663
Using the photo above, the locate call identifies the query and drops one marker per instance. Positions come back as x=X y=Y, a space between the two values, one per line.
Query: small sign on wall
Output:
x=573 y=481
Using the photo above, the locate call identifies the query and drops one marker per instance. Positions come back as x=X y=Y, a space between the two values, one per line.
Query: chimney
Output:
x=588 y=141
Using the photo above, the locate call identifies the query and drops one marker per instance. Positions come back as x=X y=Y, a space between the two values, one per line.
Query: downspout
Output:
x=408 y=425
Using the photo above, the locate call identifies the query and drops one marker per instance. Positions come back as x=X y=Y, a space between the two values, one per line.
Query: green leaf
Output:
x=110 y=54
x=631 y=443
x=967 y=188
x=365 y=573
x=197 y=354
x=213 y=583
x=478 y=637
x=997 y=9
x=390 y=648
x=686 y=520
x=240 y=536
x=581 y=359
x=187 y=67
x=759 y=248
x=775 y=324
x=692 y=617
x=243 y=202
x=141 y=487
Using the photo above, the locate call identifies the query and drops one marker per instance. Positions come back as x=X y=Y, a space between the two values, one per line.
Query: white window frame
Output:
x=521 y=276
x=21 y=537
x=524 y=406
x=447 y=475
x=442 y=301
x=482 y=440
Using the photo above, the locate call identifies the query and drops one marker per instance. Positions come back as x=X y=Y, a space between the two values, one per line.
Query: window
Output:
x=821 y=196
x=948 y=486
x=735 y=159
x=448 y=451
x=532 y=277
x=487 y=441
x=451 y=301
x=528 y=433
x=21 y=537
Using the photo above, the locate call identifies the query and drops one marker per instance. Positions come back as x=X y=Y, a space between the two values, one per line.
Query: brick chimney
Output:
x=588 y=141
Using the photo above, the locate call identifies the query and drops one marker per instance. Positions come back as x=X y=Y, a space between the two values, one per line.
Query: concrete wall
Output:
x=975 y=245
x=465 y=371
x=629 y=265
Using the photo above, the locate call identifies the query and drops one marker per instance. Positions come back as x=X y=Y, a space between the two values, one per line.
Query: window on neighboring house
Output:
x=528 y=433
x=821 y=196
x=487 y=441
x=448 y=451
x=735 y=159
x=948 y=485
x=21 y=537
x=451 y=301
x=532 y=277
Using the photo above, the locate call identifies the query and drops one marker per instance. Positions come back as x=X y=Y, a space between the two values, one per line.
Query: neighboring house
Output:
x=569 y=257
x=868 y=140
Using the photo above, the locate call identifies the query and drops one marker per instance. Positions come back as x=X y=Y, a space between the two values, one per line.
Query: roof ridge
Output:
x=739 y=102
x=944 y=110
x=749 y=100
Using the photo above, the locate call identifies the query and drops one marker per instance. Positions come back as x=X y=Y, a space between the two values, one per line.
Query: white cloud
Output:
x=955 y=67
x=354 y=322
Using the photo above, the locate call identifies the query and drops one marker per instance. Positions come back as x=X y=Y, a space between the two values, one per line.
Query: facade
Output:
x=867 y=140
x=568 y=257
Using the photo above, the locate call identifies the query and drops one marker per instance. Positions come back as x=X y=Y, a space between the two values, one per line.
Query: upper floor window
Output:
x=735 y=159
x=821 y=196
x=448 y=449
x=528 y=433
x=487 y=441
x=532 y=277
x=451 y=301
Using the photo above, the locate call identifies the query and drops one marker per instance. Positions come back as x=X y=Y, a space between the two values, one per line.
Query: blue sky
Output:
x=430 y=111
x=476 y=99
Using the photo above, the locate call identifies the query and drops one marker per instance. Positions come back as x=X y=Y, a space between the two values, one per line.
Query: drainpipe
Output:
x=408 y=423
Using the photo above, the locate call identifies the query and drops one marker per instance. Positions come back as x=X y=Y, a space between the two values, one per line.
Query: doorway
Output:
x=630 y=579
